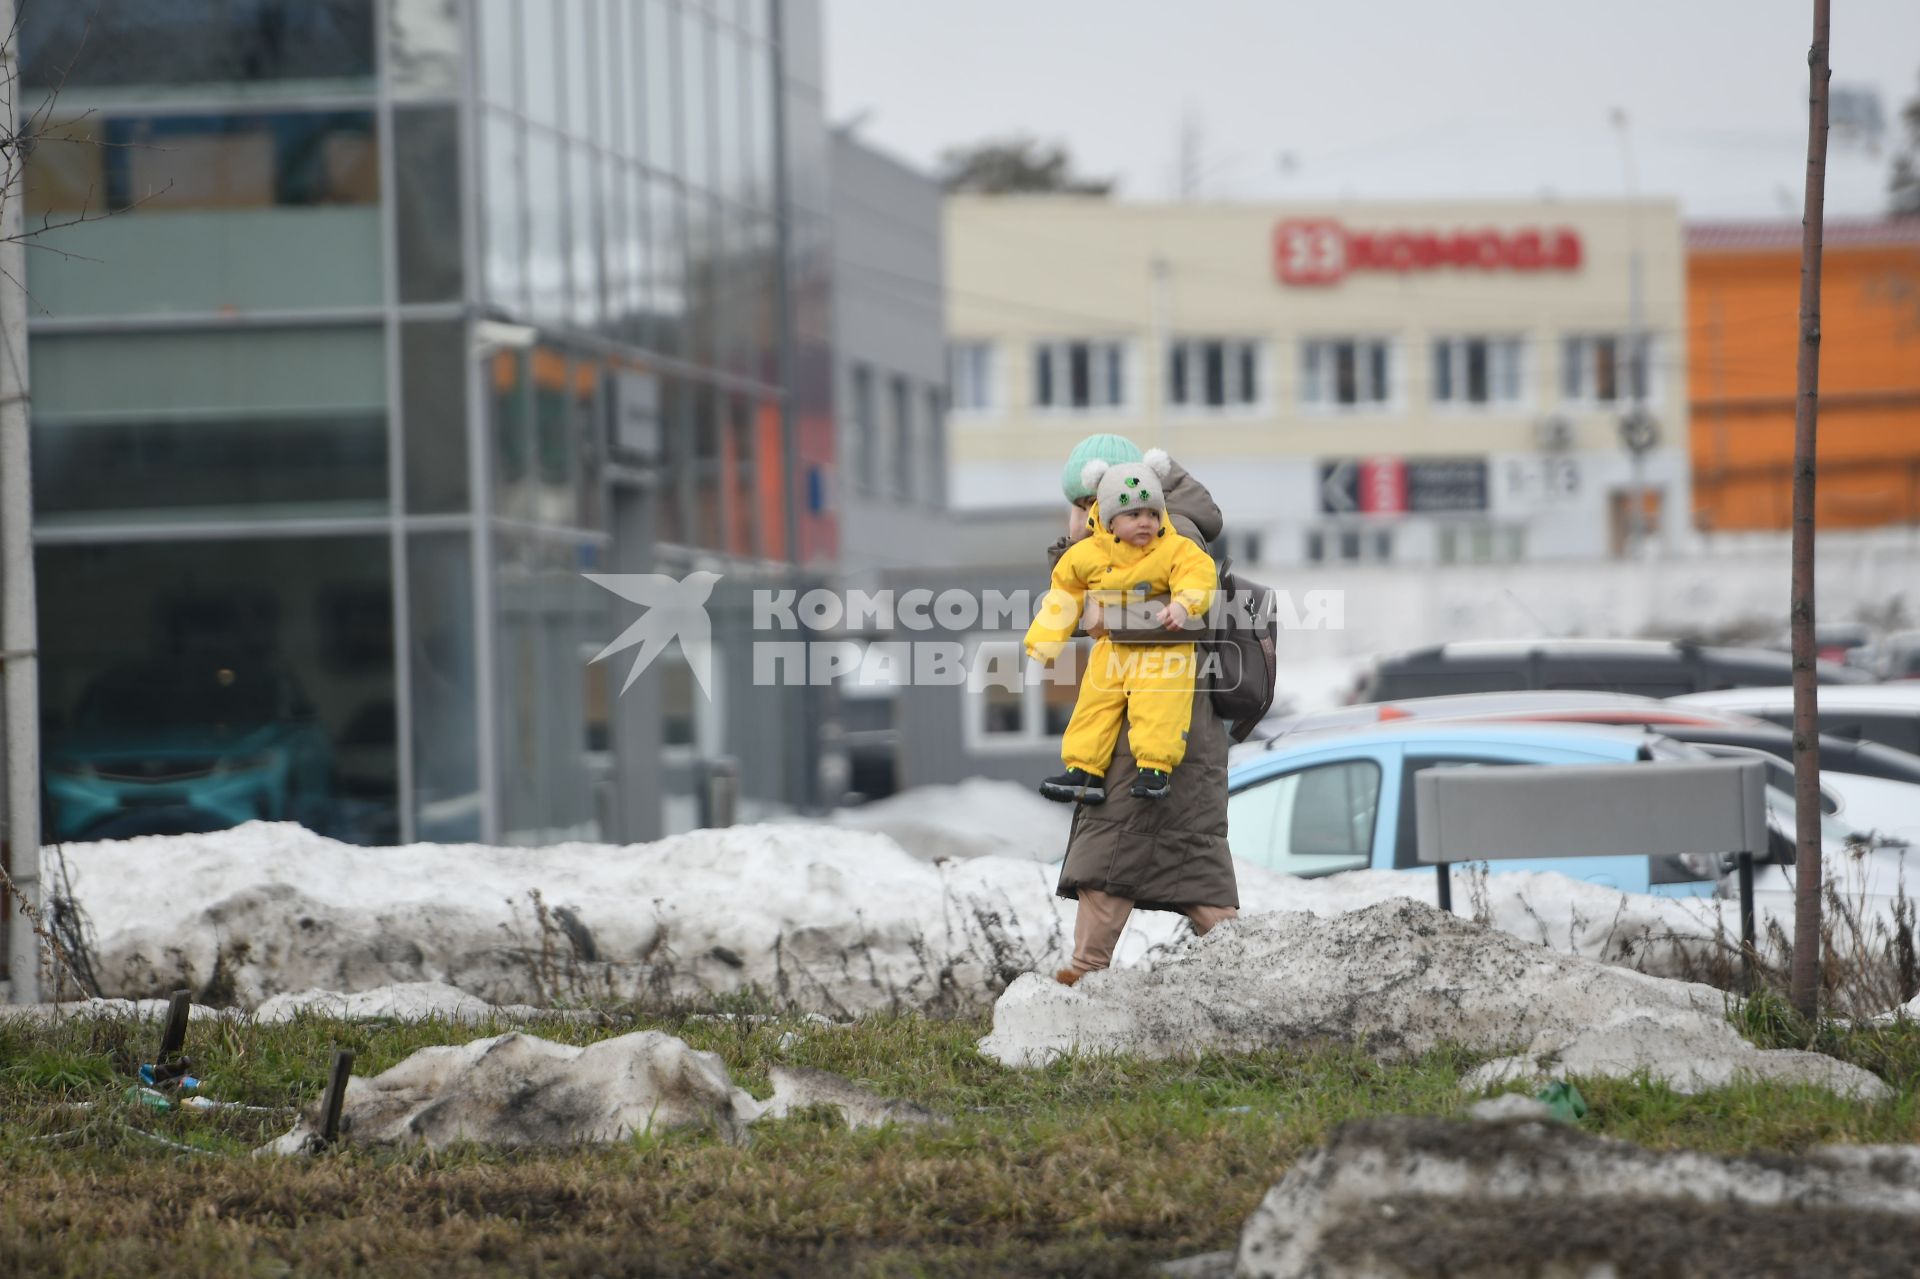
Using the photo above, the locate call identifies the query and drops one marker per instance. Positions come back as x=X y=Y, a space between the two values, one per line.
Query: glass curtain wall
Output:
x=260 y=379
x=632 y=216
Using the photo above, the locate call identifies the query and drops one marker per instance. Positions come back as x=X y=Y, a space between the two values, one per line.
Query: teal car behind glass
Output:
x=185 y=745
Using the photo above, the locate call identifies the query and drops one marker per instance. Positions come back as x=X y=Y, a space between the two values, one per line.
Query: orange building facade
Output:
x=1743 y=315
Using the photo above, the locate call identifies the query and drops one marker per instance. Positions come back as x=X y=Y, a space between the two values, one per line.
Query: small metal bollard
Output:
x=334 y=1098
x=719 y=791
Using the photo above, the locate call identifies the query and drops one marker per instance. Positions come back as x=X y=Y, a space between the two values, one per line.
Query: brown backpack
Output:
x=1242 y=651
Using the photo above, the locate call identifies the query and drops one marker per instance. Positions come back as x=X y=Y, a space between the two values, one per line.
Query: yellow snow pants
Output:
x=1152 y=685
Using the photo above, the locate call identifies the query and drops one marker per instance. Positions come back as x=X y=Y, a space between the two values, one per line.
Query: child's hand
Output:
x=1173 y=616
x=1094 y=620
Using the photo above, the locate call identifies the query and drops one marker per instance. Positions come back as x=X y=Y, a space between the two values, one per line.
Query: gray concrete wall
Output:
x=889 y=320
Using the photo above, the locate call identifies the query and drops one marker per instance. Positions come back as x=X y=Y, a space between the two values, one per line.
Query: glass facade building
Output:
x=362 y=330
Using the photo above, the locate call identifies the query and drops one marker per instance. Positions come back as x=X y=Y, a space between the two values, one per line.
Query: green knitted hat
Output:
x=1111 y=449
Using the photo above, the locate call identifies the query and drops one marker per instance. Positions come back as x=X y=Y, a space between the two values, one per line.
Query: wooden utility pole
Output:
x=1806 y=736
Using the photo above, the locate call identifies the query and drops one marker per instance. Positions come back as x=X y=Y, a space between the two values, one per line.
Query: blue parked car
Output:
x=183 y=746
x=1317 y=803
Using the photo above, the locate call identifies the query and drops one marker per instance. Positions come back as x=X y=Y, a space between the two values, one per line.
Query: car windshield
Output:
x=187 y=695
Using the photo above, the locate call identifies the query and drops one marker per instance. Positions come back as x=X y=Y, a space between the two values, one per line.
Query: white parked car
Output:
x=1884 y=713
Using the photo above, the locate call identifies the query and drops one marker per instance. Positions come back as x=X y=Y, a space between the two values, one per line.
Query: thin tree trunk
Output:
x=1806 y=738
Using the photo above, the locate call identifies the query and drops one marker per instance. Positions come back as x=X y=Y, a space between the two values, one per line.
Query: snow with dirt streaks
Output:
x=834 y=918
x=1401 y=978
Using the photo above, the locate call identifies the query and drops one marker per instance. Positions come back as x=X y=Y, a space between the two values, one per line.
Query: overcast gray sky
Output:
x=1385 y=98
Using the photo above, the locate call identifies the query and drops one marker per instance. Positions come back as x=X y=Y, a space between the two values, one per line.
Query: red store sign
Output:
x=1320 y=251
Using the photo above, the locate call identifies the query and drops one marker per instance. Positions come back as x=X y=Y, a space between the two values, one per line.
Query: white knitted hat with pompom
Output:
x=1129 y=486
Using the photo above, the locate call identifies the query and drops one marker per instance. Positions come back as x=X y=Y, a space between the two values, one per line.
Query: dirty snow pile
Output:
x=974 y=818
x=521 y=1090
x=1418 y=1197
x=1667 y=936
x=1400 y=978
x=835 y=920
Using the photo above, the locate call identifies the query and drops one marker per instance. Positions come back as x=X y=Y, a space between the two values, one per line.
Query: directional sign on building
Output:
x=1399 y=486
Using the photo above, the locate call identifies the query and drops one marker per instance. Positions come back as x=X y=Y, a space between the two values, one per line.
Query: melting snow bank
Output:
x=834 y=920
x=1419 y=1197
x=521 y=1090
x=1401 y=977
x=829 y=919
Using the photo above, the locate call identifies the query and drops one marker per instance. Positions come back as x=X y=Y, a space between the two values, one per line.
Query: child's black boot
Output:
x=1151 y=783
x=1075 y=784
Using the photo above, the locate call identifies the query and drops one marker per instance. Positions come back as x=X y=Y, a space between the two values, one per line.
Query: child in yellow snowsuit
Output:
x=1133 y=553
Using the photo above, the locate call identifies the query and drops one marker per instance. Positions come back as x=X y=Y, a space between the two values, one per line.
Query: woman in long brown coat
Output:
x=1152 y=854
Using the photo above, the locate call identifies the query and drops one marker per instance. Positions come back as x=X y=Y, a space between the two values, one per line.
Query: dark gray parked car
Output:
x=1651 y=668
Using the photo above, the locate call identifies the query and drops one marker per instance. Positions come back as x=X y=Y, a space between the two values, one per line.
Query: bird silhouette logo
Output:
x=676 y=609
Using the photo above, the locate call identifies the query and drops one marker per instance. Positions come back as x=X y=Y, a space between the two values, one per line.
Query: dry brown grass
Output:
x=1096 y=1166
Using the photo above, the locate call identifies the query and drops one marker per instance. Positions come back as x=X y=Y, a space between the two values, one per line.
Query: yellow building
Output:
x=1408 y=382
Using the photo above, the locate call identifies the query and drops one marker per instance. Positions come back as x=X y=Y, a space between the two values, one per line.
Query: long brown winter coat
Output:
x=1172 y=853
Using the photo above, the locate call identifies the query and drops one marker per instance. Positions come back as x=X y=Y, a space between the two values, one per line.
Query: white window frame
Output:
x=1189 y=349
x=1453 y=347
x=1059 y=351
x=1313 y=380
x=1576 y=353
x=973 y=364
x=1032 y=734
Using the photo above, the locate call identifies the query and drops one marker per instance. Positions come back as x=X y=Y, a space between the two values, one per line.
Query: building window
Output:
x=903 y=451
x=1349 y=545
x=1080 y=376
x=1477 y=370
x=1012 y=702
x=1468 y=543
x=1346 y=372
x=970 y=376
x=1603 y=369
x=933 y=461
x=866 y=432
x=1213 y=374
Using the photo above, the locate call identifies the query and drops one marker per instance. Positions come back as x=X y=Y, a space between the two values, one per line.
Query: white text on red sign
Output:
x=1320 y=251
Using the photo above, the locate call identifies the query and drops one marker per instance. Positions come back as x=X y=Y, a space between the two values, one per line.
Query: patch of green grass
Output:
x=1094 y=1165
x=1890 y=1049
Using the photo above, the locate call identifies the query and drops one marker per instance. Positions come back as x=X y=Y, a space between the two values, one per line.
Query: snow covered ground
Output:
x=838 y=919
x=938 y=899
